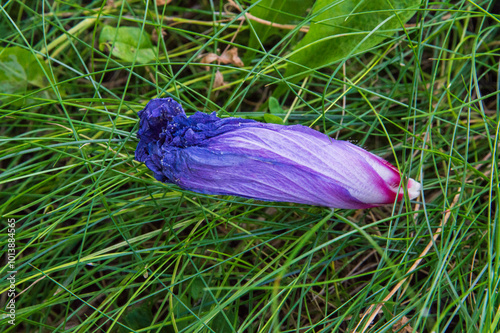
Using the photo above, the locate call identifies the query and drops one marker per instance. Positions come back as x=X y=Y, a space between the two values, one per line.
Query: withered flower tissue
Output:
x=243 y=157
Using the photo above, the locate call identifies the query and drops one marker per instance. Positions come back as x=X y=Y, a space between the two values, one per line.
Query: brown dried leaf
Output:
x=154 y=35
x=227 y=57
x=163 y=2
x=219 y=80
x=210 y=57
x=403 y=323
x=231 y=57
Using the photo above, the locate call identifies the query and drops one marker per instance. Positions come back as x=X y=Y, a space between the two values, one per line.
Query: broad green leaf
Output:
x=128 y=43
x=274 y=106
x=221 y=325
x=271 y=118
x=276 y=11
x=137 y=318
x=20 y=72
x=343 y=28
x=180 y=307
x=197 y=289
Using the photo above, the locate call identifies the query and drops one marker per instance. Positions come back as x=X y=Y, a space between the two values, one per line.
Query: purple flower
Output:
x=234 y=156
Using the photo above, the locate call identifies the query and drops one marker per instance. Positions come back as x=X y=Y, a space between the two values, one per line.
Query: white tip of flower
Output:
x=413 y=188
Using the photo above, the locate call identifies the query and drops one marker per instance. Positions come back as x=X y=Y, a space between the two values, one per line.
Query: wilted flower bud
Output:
x=234 y=156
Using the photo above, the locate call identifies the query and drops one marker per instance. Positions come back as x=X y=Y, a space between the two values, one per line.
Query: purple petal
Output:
x=233 y=156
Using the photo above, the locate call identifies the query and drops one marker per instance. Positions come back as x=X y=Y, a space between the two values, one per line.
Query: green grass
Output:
x=103 y=247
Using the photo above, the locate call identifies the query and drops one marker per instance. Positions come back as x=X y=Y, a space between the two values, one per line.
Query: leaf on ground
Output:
x=402 y=326
x=128 y=43
x=219 y=80
x=137 y=318
x=275 y=11
x=231 y=57
x=209 y=58
x=181 y=310
x=227 y=57
x=19 y=71
x=274 y=106
x=224 y=322
x=155 y=37
x=272 y=119
x=197 y=289
x=340 y=29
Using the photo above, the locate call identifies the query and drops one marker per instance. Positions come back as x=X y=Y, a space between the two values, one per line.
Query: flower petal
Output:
x=233 y=156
